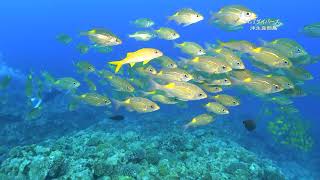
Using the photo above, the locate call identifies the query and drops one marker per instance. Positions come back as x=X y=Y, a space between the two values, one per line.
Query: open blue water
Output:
x=28 y=42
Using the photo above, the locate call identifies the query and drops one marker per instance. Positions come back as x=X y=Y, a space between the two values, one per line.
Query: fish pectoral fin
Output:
x=236 y=20
x=145 y=62
x=132 y=64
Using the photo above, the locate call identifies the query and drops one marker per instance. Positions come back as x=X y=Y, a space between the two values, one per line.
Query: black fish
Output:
x=117 y=117
x=250 y=125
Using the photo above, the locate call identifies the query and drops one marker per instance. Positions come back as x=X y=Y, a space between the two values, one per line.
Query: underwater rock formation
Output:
x=93 y=154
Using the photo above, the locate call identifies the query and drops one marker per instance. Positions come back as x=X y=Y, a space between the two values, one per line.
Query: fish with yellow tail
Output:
x=200 y=120
x=138 y=104
x=142 y=55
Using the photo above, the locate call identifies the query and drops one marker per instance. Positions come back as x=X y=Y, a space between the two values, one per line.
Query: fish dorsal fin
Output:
x=132 y=64
x=257 y=50
x=196 y=59
x=170 y=85
x=220 y=43
x=127 y=101
x=247 y=80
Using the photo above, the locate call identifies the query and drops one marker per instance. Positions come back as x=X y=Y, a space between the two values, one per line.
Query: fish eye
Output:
x=171 y=65
x=200 y=50
x=226 y=80
x=224 y=67
x=286 y=62
x=74 y=83
x=248 y=13
x=156 y=52
x=234 y=102
x=223 y=110
x=276 y=86
x=238 y=63
x=200 y=94
x=105 y=101
x=299 y=50
x=197 y=15
x=186 y=76
x=150 y=69
x=174 y=34
x=152 y=106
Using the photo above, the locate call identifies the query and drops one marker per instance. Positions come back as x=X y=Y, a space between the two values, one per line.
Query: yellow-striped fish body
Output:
x=142 y=55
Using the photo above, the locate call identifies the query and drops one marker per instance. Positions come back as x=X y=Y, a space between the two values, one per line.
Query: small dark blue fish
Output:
x=249 y=124
x=117 y=117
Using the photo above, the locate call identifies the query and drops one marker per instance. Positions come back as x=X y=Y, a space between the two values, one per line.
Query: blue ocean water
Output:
x=28 y=41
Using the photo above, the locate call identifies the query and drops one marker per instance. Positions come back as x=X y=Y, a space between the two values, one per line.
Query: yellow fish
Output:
x=226 y=100
x=142 y=55
x=200 y=120
x=95 y=99
x=216 y=108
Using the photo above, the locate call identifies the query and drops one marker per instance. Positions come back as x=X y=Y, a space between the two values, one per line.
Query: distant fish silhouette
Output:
x=117 y=117
x=249 y=124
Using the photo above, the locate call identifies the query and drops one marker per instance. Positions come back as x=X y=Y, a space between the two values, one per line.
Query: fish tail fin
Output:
x=186 y=127
x=220 y=43
x=262 y=41
x=154 y=85
x=83 y=33
x=148 y=93
x=86 y=33
x=118 y=65
x=176 y=45
x=184 y=61
x=117 y=103
x=209 y=46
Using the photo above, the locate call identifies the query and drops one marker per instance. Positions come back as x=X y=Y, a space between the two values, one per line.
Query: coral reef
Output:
x=291 y=131
x=92 y=154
